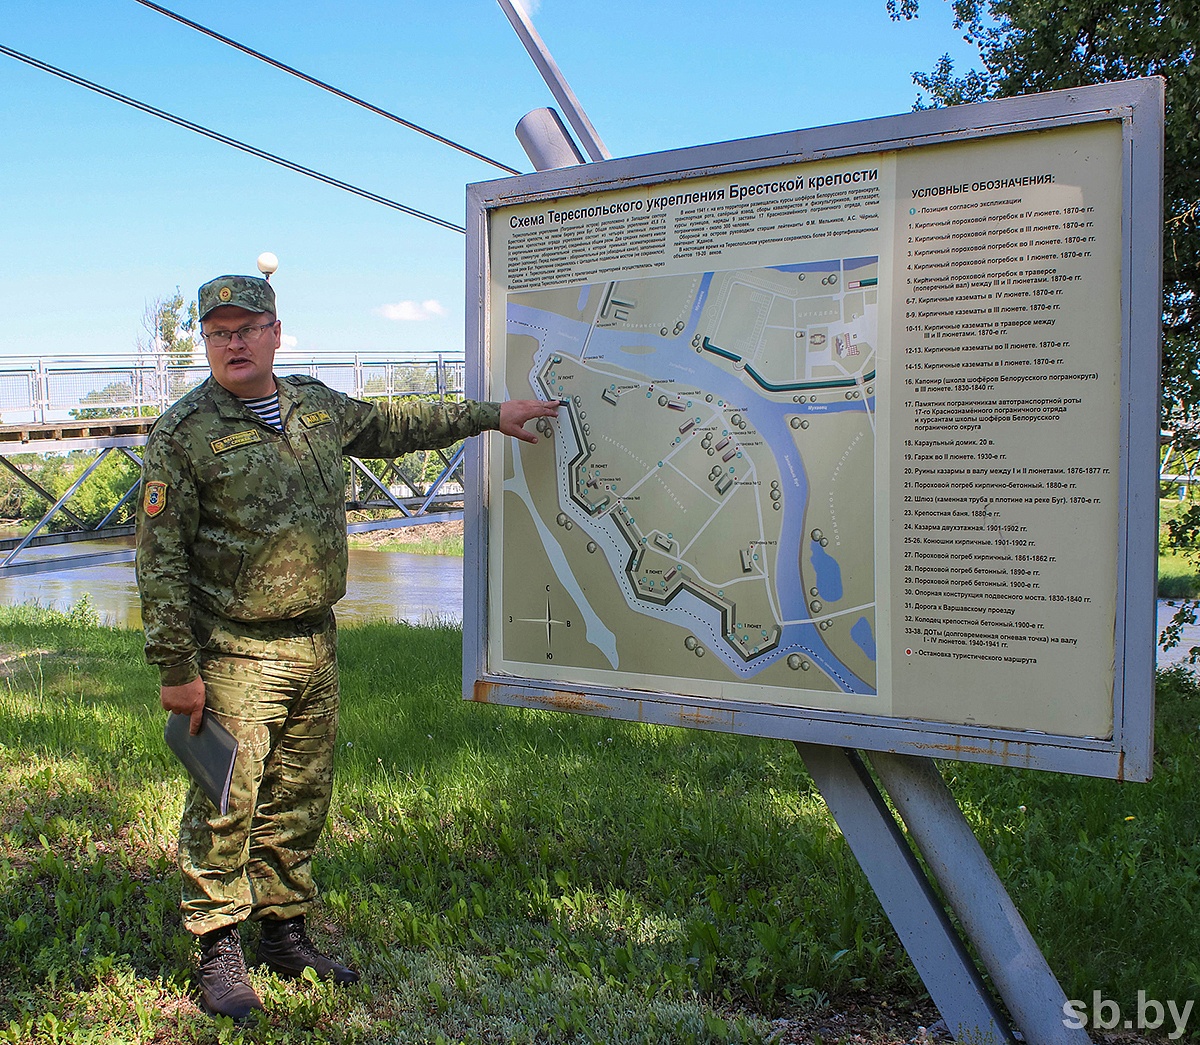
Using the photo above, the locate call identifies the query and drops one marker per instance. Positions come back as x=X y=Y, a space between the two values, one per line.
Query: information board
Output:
x=857 y=441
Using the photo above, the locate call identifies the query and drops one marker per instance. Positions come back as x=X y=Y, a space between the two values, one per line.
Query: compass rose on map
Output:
x=548 y=620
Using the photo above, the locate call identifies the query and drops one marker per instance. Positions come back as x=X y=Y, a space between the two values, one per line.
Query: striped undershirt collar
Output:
x=267 y=408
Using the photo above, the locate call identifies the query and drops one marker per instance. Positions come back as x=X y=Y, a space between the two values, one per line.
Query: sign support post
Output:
x=548 y=67
x=978 y=898
x=914 y=910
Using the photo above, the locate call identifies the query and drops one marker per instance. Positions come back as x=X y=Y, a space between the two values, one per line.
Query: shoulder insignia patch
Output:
x=317 y=417
x=154 y=500
x=232 y=442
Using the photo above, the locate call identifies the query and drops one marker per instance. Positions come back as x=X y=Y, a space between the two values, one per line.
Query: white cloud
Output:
x=288 y=341
x=530 y=7
x=411 y=311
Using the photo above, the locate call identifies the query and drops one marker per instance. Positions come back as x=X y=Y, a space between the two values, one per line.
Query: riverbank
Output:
x=431 y=538
x=519 y=876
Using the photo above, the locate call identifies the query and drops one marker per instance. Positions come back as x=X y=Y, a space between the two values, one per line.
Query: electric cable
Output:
x=327 y=87
x=233 y=143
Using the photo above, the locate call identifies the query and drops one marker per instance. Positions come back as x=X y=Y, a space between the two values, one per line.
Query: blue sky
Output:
x=105 y=208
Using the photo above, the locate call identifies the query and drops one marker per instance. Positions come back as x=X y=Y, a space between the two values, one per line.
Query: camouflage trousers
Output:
x=275 y=687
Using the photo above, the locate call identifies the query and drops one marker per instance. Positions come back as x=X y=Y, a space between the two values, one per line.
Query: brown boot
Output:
x=224 y=982
x=285 y=948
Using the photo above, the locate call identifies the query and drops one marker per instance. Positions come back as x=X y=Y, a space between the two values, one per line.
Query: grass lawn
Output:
x=504 y=875
x=1177 y=576
x=1178 y=568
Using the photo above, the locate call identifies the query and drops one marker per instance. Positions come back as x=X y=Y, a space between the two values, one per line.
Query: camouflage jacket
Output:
x=239 y=521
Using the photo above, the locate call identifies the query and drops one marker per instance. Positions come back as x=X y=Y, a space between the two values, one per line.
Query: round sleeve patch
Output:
x=155 y=498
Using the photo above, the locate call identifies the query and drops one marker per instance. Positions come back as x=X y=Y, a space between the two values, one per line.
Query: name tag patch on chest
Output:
x=232 y=442
x=317 y=417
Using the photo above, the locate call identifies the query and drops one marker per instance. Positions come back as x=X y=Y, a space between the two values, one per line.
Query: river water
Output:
x=381 y=585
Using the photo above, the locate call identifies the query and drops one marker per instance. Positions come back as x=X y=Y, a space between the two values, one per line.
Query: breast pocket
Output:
x=325 y=455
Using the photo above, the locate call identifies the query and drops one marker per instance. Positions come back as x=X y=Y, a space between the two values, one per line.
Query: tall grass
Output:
x=451 y=546
x=504 y=875
x=439 y=537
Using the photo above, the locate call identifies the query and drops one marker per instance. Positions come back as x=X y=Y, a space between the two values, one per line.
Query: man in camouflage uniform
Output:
x=241 y=554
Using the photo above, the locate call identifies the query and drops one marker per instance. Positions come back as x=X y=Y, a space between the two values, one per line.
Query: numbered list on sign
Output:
x=1004 y=430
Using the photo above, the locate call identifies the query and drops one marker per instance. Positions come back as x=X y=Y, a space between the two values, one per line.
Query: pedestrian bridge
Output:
x=105 y=406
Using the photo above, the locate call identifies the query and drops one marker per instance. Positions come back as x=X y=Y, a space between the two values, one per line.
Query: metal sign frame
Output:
x=1138 y=107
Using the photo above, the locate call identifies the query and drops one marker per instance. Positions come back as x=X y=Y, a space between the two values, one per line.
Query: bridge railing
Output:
x=43 y=390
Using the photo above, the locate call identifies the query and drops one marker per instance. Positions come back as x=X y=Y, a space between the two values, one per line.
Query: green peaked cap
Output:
x=253 y=293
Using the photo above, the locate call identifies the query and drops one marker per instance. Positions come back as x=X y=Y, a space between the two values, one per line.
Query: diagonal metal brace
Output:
x=379 y=485
x=452 y=467
x=57 y=505
x=980 y=902
x=916 y=913
x=43 y=493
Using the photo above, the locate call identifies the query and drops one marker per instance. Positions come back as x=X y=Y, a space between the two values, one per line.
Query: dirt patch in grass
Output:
x=12 y=654
x=876 y=1020
x=880 y=1019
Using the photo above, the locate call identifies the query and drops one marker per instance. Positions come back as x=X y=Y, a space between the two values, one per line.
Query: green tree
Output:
x=12 y=490
x=1026 y=46
x=171 y=326
x=120 y=392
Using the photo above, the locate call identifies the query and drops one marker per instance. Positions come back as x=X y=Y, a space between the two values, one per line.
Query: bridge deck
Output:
x=74 y=435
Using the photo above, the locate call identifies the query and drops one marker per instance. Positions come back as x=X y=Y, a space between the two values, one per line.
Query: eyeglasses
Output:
x=250 y=334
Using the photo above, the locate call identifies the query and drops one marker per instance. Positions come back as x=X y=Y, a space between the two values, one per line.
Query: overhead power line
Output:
x=224 y=139
x=328 y=87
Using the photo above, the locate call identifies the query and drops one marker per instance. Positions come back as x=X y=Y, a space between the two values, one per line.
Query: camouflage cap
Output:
x=253 y=293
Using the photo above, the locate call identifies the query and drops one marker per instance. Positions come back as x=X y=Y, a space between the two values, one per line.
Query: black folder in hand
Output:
x=208 y=756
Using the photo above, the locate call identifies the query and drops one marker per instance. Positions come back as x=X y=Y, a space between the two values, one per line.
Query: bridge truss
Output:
x=106 y=412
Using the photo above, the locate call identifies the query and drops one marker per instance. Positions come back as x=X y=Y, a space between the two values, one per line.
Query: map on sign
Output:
x=711 y=470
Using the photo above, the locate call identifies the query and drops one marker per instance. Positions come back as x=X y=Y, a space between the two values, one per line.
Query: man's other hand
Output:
x=187 y=699
x=515 y=412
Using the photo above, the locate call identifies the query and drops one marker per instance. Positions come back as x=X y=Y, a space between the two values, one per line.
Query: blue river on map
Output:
x=675 y=359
